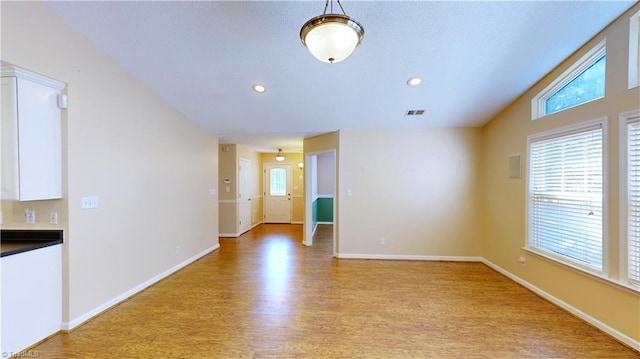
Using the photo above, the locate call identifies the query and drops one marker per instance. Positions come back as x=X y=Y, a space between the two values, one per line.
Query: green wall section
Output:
x=325 y=210
x=314 y=213
x=322 y=211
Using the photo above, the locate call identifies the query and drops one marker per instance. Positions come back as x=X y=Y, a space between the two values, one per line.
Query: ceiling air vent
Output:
x=414 y=112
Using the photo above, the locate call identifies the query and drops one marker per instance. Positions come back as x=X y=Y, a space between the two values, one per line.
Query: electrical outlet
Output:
x=53 y=217
x=382 y=241
x=178 y=249
x=30 y=215
x=522 y=261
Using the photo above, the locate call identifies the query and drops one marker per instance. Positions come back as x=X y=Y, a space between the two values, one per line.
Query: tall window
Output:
x=630 y=211
x=584 y=81
x=565 y=204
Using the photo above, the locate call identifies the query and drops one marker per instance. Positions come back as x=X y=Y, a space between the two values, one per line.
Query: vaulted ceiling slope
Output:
x=202 y=57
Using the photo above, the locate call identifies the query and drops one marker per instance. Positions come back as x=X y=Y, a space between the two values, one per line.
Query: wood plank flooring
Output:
x=264 y=295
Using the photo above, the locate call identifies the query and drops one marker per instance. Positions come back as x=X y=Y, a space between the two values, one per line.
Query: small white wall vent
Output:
x=414 y=112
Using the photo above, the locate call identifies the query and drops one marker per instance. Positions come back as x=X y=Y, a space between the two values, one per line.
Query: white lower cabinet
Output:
x=31 y=136
x=31 y=298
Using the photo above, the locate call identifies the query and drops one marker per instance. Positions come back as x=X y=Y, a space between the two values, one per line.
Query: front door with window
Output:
x=277 y=193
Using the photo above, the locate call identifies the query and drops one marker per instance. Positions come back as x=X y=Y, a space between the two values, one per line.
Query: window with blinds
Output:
x=633 y=200
x=565 y=209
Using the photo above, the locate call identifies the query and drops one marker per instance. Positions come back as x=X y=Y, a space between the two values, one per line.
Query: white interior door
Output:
x=277 y=193
x=244 y=195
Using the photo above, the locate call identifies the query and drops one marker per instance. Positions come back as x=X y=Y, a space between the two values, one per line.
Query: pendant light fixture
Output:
x=280 y=155
x=331 y=37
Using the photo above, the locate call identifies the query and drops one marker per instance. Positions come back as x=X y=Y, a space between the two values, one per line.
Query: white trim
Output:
x=229 y=235
x=236 y=235
x=632 y=343
x=14 y=71
x=324 y=196
x=324 y=223
x=601 y=122
x=256 y=224
x=591 y=57
x=634 y=56
x=227 y=201
x=624 y=120
x=66 y=326
x=402 y=257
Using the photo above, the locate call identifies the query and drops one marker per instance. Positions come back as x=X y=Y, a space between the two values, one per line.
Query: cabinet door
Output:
x=39 y=141
x=9 y=137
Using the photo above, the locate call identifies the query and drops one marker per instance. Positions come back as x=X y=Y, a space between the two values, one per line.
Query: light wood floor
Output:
x=265 y=295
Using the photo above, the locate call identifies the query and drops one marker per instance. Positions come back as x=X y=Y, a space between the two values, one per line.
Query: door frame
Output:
x=265 y=186
x=246 y=196
x=307 y=238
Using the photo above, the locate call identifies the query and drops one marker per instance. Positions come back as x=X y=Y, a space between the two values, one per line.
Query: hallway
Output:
x=264 y=295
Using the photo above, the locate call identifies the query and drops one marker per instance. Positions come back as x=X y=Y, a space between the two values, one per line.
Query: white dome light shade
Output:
x=331 y=38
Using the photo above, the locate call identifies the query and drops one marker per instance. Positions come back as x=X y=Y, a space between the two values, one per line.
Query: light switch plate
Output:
x=90 y=202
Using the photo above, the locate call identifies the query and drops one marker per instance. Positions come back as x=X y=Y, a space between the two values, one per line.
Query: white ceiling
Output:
x=203 y=57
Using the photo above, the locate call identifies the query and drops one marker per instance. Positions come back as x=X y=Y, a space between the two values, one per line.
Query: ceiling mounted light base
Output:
x=331 y=38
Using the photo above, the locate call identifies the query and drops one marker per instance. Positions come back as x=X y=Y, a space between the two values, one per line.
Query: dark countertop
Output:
x=14 y=241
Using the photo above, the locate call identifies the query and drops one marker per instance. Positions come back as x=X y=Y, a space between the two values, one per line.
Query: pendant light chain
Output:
x=341 y=8
x=326 y=4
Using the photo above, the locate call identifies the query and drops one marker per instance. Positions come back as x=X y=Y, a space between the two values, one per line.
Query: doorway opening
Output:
x=320 y=198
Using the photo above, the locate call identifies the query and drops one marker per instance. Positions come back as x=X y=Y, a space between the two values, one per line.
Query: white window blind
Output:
x=633 y=201
x=566 y=195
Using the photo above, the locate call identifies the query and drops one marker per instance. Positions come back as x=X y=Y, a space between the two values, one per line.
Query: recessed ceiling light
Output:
x=259 y=88
x=414 y=81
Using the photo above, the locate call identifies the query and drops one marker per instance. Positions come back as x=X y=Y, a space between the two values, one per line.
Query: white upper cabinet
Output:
x=31 y=136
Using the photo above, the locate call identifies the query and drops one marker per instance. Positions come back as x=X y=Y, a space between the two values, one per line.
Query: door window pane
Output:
x=278 y=180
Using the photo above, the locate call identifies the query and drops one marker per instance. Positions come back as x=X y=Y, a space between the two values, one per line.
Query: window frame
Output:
x=555 y=133
x=538 y=103
x=624 y=120
x=634 y=50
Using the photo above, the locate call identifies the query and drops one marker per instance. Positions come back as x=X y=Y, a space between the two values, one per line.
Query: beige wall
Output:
x=228 y=208
x=420 y=189
x=325 y=175
x=229 y=165
x=504 y=204
x=151 y=168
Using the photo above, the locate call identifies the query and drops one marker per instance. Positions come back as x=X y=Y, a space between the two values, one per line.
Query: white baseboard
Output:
x=236 y=235
x=255 y=225
x=66 y=326
x=229 y=235
x=409 y=257
x=325 y=222
x=632 y=343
